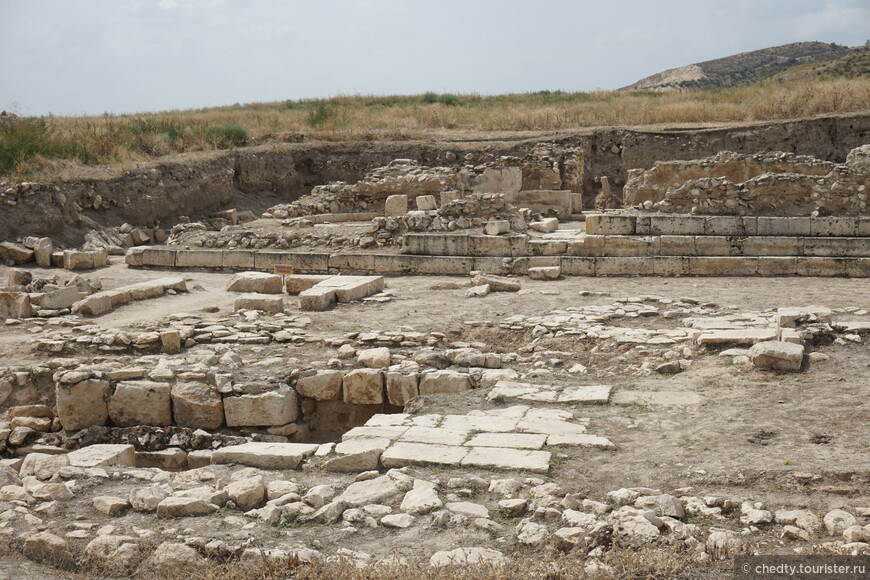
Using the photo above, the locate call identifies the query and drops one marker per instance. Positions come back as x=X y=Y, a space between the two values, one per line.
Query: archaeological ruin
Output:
x=443 y=353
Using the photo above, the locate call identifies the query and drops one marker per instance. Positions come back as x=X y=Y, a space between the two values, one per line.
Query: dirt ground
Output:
x=797 y=440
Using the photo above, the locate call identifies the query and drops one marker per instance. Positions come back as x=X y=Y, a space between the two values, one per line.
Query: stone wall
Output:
x=767 y=184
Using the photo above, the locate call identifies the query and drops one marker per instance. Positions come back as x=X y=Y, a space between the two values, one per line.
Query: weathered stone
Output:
x=837 y=521
x=374 y=358
x=777 y=355
x=357 y=455
x=42 y=251
x=197 y=405
x=264 y=302
x=170 y=557
x=496 y=283
x=373 y=491
x=255 y=282
x=422 y=499
x=103 y=455
x=401 y=387
x=426 y=203
x=247 y=493
x=46 y=548
x=265 y=455
x=265 y=409
x=15 y=253
x=396 y=205
x=140 y=403
x=500 y=458
x=181 y=506
x=146 y=499
x=545 y=272
x=83 y=404
x=15 y=305
x=363 y=387
x=444 y=381
x=110 y=505
x=323 y=386
x=403 y=453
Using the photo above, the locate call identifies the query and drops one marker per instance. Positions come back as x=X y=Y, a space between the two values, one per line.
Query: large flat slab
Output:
x=434 y=436
x=265 y=455
x=508 y=440
x=737 y=336
x=104 y=455
x=402 y=454
x=501 y=458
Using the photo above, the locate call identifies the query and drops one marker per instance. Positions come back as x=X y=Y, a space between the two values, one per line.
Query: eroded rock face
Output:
x=762 y=184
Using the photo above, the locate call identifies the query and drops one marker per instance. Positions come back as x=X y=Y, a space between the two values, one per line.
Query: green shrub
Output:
x=226 y=135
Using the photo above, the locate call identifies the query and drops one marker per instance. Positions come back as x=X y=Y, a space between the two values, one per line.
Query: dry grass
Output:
x=124 y=139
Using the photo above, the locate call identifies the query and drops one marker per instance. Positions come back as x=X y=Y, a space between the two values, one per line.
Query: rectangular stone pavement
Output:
x=508 y=440
x=591 y=394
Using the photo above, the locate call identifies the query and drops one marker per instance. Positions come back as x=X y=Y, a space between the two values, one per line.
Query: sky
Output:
x=123 y=56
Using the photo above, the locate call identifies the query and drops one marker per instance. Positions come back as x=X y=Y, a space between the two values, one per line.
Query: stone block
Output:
x=736 y=336
x=75 y=260
x=496 y=283
x=809 y=266
x=197 y=405
x=140 y=403
x=545 y=226
x=489 y=246
x=358 y=455
x=783 y=226
x=199 y=259
x=402 y=454
x=15 y=253
x=265 y=409
x=238 y=259
x=426 y=203
x=15 y=305
x=545 y=272
x=610 y=224
x=499 y=180
x=676 y=225
x=363 y=387
x=265 y=455
x=296 y=283
x=435 y=244
x=264 y=302
x=500 y=458
x=324 y=386
x=773 y=246
x=688 y=246
x=82 y=404
x=725 y=225
x=631 y=246
x=350 y=263
x=401 y=387
x=103 y=455
x=545 y=201
x=95 y=304
x=621 y=266
x=834 y=226
x=255 y=282
x=496 y=227
x=443 y=381
x=547 y=247
x=777 y=355
x=396 y=205
x=670 y=266
x=62 y=298
x=577 y=266
x=42 y=251
x=317 y=298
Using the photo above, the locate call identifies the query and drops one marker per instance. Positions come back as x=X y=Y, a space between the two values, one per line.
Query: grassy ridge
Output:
x=32 y=149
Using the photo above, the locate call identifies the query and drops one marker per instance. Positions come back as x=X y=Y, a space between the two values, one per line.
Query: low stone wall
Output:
x=314 y=400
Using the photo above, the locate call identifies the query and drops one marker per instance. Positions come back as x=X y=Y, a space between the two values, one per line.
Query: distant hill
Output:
x=747 y=68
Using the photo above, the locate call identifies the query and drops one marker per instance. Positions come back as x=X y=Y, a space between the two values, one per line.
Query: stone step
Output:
x=852 y=267
x=697 y=225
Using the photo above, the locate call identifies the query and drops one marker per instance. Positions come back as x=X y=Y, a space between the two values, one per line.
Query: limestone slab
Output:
x=103 y=455
x=401 y=454
x=434 y=436
x=508 y=440
x=265 y=455
x=502 y=458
